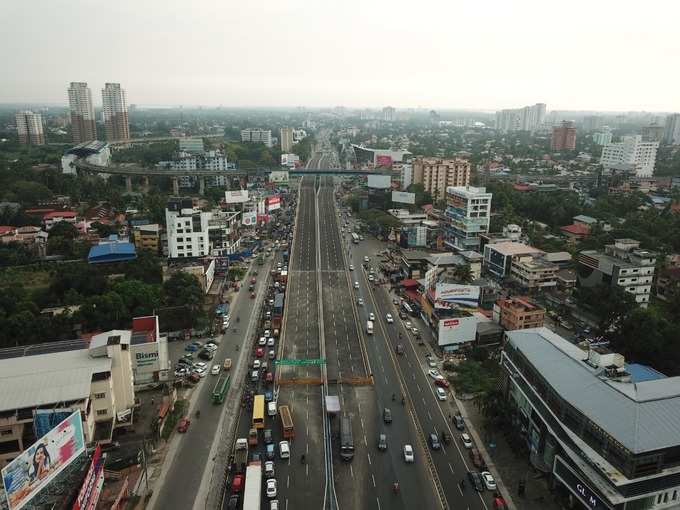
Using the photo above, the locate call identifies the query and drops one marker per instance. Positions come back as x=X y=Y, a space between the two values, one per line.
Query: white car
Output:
x=415 y=331
x=274 y=504
x=431 y=362
x=366 y=259
x=441 y=394
x=262 y=341
x=215 y=370
x=356 y=285
x=270 y=342
x=435 y=374
x=489 y=481
x=269 y=468
x=284 y=450
x=271 y=488
x=267 y=333
x=256 y=364
x=211 y=347
x=408 y=454
x=351 y=267
x=200 y=365
x=408 y=324
x=370 y=277
x=389 y=318
x=467 y=442
x=360 y=301
x=371 y=317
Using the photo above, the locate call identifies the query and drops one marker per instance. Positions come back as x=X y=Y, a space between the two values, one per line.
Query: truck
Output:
x=287 y=428
x=241 y=454
x=252 y=495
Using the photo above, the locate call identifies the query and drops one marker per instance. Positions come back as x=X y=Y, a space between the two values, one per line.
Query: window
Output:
x=6 y=432
x=102 y=412
x=100 y=395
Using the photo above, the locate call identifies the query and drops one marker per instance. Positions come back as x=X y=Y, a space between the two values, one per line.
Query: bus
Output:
x=346 y=441
x=355 y=238
x=258 y=412
x=407 y=308
x=369 y=327
x=221 y=388
x=286 y=422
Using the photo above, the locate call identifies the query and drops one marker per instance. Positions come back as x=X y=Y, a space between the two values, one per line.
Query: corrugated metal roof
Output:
x=642 y=416
x=112 y=252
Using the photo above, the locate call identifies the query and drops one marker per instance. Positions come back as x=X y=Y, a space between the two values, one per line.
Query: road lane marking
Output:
x=369 y=458
x=373 y=478
x=451 y=468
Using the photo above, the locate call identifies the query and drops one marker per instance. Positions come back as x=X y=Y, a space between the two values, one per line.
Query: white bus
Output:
x=369 y=327
x=355 y=238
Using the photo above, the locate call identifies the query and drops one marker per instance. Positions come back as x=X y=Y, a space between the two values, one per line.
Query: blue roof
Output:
x=112 y=252
x=639 y=373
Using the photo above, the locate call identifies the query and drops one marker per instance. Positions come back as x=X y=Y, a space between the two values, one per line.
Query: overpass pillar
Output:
x=128 y=184
x=201 y=185
x=175 y=186
x=145 y=184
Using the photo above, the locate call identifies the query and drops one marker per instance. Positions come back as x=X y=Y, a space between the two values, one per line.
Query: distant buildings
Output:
x=406 y=174
x=564 y=137
x=388 y=114
x=671 y=133
x=631 y=155
x=83 y=127
x=528 y=118
x=30 y=128
x=437 y=174
x=191 y=145
x=115 y=108
x=251 y=135
x=468 y=213
x=653 y=133
x=286 y=139
x=622 y=264
x=603 y=137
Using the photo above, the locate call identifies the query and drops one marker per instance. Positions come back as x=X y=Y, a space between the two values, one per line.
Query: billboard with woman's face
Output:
x=39 y=464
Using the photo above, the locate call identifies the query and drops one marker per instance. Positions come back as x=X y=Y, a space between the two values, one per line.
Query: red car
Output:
x=259 y=352
x=252 y=281
x=252 y=295
x=183 y=425
x=441 y=382
x=499 y=504
x=269 y=377
x=237 y=484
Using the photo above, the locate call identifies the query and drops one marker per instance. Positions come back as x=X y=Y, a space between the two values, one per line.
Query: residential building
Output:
x=630 y=155
x=528 y=118
x=653 y=133
x=191 y=145
x=671 y=135
x=83 y=126
x=147 y=237
x=498 y=256
x=223 y=232
x=593 y=122
x=564 y=137
x=187 y=229
x=468 y=213
x=210 y=160
x=437 y=174
x=388 y=114
x=286 y=139
x=252 y=135
x=533 y=272
x=52 y=218
x=518 y=312
x=604 y=430
x=115 y=109
x=622 y=264
x=30 y=128
x=62 y=377
x=603 y=137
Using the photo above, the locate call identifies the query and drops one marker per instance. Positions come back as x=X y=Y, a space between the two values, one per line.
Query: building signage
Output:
x=91 y=489
x=379 y=181
x=403 y=197
x=584 y=493
x=249 y=218
x=273 y=203
x=449 y=295
x=457 y=331
x=146 y=358
x=236 y=197
x=383 y=160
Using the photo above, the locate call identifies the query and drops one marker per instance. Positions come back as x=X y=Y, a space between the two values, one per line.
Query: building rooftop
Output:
x=582 y=218
x=119 y=251
x=642 y=416
x=558 y=256
x=578 y=229
x=512 y=248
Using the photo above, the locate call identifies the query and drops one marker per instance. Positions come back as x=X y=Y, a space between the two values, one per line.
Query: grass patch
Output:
x=171 y=422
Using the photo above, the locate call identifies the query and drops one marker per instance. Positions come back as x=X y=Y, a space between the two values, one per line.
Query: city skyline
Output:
x=246 y=60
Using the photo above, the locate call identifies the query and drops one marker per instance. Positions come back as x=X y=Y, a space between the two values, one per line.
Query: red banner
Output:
x=91 y=489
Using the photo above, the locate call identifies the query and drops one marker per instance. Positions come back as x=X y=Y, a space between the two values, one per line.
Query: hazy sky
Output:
x=483 y=54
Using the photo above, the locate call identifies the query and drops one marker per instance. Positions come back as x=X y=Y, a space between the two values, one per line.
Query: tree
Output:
x=610 y=304
x=463 y=273
x=183 y=289
x=104 y=230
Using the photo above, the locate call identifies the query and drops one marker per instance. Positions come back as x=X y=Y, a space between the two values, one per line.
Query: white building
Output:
x=252 y=135
x=95 y=153
x=603 y=137
x=187 y=229
x=671 y=133
x=468 y=213
x=290 y=160
x=210 y=160
x=30 y=128
x=630 y=155
x=286 y=139
x=406 y=175
x=528 y=118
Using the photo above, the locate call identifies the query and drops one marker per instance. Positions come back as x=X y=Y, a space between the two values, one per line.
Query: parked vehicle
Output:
x=183 y=424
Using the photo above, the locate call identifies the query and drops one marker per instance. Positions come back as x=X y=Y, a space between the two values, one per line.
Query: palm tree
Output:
x=463 y=273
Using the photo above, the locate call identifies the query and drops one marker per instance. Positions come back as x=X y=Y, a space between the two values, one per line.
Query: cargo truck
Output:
x=241 y=455
x=252 y=495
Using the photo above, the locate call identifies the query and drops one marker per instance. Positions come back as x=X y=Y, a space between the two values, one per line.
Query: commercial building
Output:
x=528 y=118
x=151 y=362
x=564 y=137
x=83 y=125
x=653 y=133
x=603 y=137
x=671 y=134
x=112 y=249
x=189 y=162
x=631 y=155
x=533 y=272
x=95 y=153
x=286 y=139
x=30 y=128
x=605 y=431
x=147 y=237
x=252 y=135
x=518 y=312
x=498 y=256
x=437 y=174
x=468 y=213
x=187 y=229
x=623 y=264
x=290 y=160
x=115 y=108
x=62 y=377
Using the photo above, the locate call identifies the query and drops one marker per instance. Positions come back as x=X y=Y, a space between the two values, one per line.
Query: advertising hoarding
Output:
x=40 y=463
x=379 y=181
x=249 y=218
x=279 y=177
x=383 y=160
x=457 y=331
x=447 y=295
x=403 y=197
x=45 y=420
x=236 y=196
x=273 y=203
x=91 y=489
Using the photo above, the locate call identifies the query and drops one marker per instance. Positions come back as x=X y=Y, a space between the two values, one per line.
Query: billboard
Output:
x=236 y=197
x=379 y=181
x=273 y=203
x=447 y=295
x=403 y=197
x=45 y=420
x=91 y=489
x=383 y=160
x=279 y=177
x=457 y=331
x=249 y=218
x=39 y=464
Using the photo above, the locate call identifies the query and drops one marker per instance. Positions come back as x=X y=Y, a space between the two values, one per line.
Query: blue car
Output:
x=268 y=397
x=191 y=348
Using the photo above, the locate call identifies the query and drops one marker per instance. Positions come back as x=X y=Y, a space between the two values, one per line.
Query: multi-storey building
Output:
x=210 y=160
x=603 y=137
x=437 y=174
x=468 y=213
x=518 y=312
x=533 y=272
x=406 y=174
x=83 y=126
x=257 y=136
x=528 y=118
x=147 y=237
x=498 y=256
x=671 y=133
x=115 y=109
x=187 y=229
x=286 y=139
x=388 y=114
x=30 y=128
x=191 y=145
x=623 y=264
x=564 y=137
x=630 y=155
x=605 y=431
x=653 y=133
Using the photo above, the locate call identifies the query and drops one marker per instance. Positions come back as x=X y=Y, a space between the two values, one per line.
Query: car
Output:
x=459 y=422
x=215 y=370
x=351 y=267
x=387 y=415
x=370 y=278
x=188 y=357
x=255 y=375
x=446 y=437
x=270 y=342
x=408 y=325
x=476 y=458
x=434 y=373
x=476 y=481
x=269 y=377
x=181 y=372
x=399 y=349
x=434 y=441
x=206 y=355
x=268 y=438
x=272 y=354
x=183 y=424
x=442 y=383
x=371 y=316
x=259 y=352
x=191 y=348
x=274 y=504
x=402 y=315
x=389 y=318
x=367 y=259
x=408 y=454
x=465 y=438
x=256 y=364
x=431 y=363
x=269 y=468
x=395 y=301
x=262 y=341
x=360 y=302
x=269 y=451
x=233 y=502
x=284 y=450
x=382 y=442
x=267 y=333
x=237 y=484
x=415 y=332
x=271 y=488
x=356 y=285
x=499 y=503
x=210 y=346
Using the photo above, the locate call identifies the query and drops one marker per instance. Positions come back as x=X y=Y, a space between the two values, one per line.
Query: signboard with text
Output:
x=91 y=488
x=448 y=295
x=273 y=203
x=379 y=181
x=403 y=198
x=236 y=197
